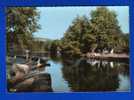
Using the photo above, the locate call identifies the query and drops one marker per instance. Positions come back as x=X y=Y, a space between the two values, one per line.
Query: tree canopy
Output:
x=21 y=23
x=94 y=34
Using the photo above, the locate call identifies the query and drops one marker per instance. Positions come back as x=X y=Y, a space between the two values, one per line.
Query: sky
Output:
x=54 y=21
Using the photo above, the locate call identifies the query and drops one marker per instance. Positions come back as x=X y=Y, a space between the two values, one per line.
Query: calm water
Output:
x=89 y=75
x=58 y=82
x=84 y=75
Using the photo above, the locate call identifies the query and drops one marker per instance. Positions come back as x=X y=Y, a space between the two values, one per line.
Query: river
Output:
x=88 y=75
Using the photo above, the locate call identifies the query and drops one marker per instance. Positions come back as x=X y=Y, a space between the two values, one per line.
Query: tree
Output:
x=123 y=44
x=74 y=38
x=21 y=23
x=94 y=34
x=104 y=25
x=55 y=45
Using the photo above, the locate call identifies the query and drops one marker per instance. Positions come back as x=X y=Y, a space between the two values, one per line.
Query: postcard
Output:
x=63 y=49
x=73 y=50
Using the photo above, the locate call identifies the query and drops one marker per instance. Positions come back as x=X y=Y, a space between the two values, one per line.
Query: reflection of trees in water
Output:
x=101 y=76
x=124 y=69
x=55 y=58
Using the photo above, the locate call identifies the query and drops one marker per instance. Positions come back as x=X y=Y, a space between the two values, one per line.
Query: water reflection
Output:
x=95 y=75
x=58 y=82
x=81 y=75
x=124 y=83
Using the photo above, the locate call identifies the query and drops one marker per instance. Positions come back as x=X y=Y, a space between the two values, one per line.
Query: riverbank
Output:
x=107 y=56
x=34 y=80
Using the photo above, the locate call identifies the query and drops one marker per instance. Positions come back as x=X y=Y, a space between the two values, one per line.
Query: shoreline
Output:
x=107 y=56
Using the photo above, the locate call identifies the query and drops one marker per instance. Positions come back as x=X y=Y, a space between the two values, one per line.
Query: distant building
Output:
x=40 y=39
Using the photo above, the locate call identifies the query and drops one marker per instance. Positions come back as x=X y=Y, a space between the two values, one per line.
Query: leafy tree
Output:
x=123 y=44
x=55 y=45
x=94 y=34
x=21 y=23
x=74 y=38
x=104 y=26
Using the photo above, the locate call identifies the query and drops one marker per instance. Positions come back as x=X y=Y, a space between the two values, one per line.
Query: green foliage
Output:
x=86 y=34
x=104 y=25
x=74 y=39
x=71 y=49
x=21 y=23
x=54 y=47
x=123 y=44
x=94 y=34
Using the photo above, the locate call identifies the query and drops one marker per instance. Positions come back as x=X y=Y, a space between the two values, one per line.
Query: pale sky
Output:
x=55 y=21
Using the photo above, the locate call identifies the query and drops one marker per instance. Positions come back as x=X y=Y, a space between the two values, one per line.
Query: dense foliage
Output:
x=96 y=34
x=21 y=23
